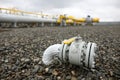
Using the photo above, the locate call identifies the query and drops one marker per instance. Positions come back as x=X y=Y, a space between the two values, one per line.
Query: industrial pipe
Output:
x=74 y=51
x=50 y=53
x=21 y=18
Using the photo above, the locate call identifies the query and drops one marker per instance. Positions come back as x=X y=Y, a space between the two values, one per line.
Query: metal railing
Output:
x=14 y=11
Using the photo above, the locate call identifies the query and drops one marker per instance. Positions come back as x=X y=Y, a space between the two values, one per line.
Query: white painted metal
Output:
x=92 y=55
x=87 y=54
x=75 y=52
x=78 y=52
x=22 y=18
x=50 y=53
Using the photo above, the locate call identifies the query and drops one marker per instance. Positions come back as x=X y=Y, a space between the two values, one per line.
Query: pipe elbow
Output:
x=50 y=52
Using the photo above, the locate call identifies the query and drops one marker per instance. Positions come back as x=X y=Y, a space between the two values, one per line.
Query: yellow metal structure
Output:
x=95 y=19
x=71 y=17
x=72 y=20
x=69 y=41
x=58 y=21
x=20 y=12
x=68 y=19
x=81 y=20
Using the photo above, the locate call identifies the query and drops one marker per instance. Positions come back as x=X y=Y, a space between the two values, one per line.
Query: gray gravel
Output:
x=21 y=52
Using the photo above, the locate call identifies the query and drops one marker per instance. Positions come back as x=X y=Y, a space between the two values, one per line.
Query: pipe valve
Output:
x=76 y=51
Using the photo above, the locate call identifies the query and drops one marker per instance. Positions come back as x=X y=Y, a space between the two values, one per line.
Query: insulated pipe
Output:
x=42 y=24
x=74 y=51
x=15 y=24
x=50 y=53
x=20 y=18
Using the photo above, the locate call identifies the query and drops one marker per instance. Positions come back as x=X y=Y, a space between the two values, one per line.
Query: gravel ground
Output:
x=21 y=52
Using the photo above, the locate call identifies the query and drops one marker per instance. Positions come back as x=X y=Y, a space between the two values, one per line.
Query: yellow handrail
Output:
x=16 y=11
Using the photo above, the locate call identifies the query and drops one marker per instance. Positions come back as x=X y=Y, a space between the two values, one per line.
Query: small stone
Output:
x=73 y=78
x=36 y=68
x=40 y=62
x=101 y=78
x=6 y=61
x=23 y=71
x=25 y=60
x=7 y=44
x=14 y=54
x=17 y=62
x=83 y=79
x=40 y=77
x=22 y=59
x=55 y=72
x=46 y=70
x=58 y=78
x=111 y=73
x=73 y=73
x=14 y=67
x=68 y=77
x=27 y=73
x=36 y=59
x=50 y=71
x=79 y=77
x=47 y=79
x=2 y=49
x=2 y=60
x=41 y=69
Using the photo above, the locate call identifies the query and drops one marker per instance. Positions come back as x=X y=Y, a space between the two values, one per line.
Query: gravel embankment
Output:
x=21 y=52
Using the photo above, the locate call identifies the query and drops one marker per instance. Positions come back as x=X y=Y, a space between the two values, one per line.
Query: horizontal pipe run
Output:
x=19 y=18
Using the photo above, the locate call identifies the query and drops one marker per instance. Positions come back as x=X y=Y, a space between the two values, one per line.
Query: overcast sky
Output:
x=106 y=10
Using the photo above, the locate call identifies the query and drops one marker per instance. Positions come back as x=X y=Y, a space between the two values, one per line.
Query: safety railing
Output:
x=14 y=11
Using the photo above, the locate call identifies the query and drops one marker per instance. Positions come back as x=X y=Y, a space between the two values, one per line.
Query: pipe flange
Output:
x=90 y=55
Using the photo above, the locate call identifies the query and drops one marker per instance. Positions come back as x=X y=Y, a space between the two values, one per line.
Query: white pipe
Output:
x=74 y=51
x=50 y=53
x=22 y=18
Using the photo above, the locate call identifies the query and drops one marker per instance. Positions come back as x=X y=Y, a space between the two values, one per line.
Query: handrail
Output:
x=17 y=12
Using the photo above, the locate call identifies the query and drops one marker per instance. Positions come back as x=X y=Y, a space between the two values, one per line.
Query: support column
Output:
x=63 y=23
x=74 y=23
x=36 y=25
x=15 y=24
x=42 y=24
x=51 y=24
x=39 y=24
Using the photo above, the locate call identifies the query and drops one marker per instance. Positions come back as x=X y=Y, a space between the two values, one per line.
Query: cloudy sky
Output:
x=106 y=10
